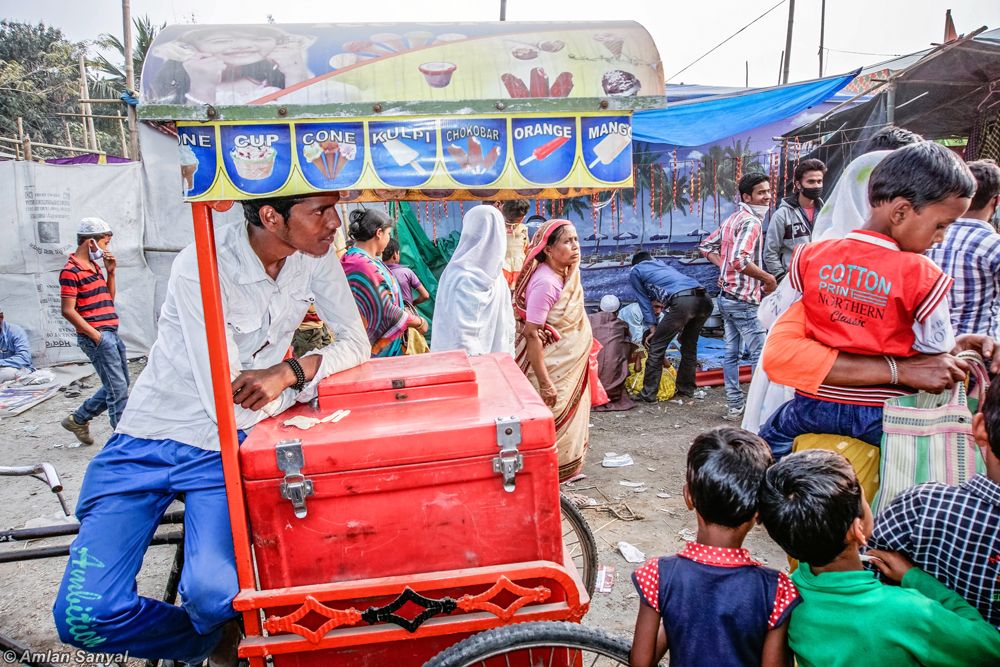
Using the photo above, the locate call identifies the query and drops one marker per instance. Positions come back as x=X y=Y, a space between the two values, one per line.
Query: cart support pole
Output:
x=222 y=389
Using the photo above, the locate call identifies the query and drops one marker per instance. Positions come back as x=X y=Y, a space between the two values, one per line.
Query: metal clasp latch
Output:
x=510 y=461
x=295 y=487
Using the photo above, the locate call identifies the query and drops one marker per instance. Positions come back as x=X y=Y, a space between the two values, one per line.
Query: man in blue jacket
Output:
x=687 y=308
x=15 y=351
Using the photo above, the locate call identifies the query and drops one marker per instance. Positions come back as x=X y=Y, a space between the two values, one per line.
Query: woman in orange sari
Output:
x=553 y=340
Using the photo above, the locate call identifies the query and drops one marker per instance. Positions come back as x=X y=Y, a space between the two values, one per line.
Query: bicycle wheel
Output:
x=552 y=644
x=579 y=541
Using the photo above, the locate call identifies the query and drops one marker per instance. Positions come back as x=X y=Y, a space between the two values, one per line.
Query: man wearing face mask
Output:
x=88 y=303
x=735 y=247
x=970 y=254
x=792 y=222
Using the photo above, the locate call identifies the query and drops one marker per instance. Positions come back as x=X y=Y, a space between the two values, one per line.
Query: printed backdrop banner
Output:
x=457 y=157
x=38 y=233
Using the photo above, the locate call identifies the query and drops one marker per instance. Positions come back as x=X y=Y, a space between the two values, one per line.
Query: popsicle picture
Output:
x=609 y=148
x=545 y=150
x=404 y=155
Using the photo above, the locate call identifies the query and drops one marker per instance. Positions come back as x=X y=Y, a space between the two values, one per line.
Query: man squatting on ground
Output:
x=270 y=270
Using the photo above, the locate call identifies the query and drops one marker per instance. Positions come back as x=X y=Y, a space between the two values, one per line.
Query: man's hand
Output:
x=931 y=372
x=256 y=388
x=987 y=348
x=770 y=284
x=892 y=565
x=110 y=263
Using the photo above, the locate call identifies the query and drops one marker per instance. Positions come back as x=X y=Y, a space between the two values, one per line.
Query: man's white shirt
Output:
x=172 y=398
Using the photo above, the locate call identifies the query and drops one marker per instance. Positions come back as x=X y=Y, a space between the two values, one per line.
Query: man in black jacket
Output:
x=792 y=222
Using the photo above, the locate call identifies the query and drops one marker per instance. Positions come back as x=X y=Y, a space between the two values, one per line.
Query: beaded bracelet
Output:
x=893 y=369
x=300 y=375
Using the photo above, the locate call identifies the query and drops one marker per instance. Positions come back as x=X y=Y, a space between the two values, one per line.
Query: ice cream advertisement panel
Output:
x=468 y=157
x=300 y=65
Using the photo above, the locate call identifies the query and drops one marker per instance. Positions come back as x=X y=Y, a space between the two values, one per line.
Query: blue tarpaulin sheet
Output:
x=700 y=122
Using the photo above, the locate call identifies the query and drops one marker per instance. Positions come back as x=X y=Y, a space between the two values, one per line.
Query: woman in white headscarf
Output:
x=473 y=311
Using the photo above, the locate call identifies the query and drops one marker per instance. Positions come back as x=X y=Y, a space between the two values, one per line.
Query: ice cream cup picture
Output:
x=254 y=163
x=620 y=83
x=437 y=74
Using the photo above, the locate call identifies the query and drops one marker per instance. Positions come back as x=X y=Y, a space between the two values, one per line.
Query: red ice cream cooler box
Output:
x=427 y=513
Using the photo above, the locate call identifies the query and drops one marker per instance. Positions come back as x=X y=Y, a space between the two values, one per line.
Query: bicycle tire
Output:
x=486 y=649
x=582 y=540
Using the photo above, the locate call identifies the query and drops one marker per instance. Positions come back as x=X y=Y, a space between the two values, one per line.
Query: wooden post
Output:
x=26 y=143
x=88 y=120
x=133 y=124
x=126 y=148
x=69 y=136
x=788 y=42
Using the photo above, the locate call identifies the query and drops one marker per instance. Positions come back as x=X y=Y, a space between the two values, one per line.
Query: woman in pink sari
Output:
x=554 y=339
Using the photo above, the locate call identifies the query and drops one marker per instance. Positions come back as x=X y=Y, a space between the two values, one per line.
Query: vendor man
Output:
x=15 y=351
x=271 y=268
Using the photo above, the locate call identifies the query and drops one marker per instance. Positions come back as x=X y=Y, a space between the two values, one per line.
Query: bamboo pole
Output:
x=133 y=126
x=126 y=147
x=16 y=143
x=83 y=105
x=85 y=94
x=69 y=136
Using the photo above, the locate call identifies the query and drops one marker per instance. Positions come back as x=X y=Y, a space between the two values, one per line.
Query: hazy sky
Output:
x=875 y=29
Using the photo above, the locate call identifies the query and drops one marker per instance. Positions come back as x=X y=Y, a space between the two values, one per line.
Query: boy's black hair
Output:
x=750 y=181
x=514 y=209
x=923 y=173
x=641 y=256
x=283 y=205
x=812 y=164
x=890 y=138
x=987 y=175
x=391 y=249
x=991 y=413
x=725 y=467
x=808 y=501
x=82 y=238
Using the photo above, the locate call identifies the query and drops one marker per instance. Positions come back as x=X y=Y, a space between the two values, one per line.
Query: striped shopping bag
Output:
x=928 y=438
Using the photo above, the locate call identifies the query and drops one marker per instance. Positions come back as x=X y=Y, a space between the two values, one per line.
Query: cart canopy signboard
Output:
x=414 y=111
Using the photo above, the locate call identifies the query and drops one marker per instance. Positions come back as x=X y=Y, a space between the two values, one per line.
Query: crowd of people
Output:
x=838 y=305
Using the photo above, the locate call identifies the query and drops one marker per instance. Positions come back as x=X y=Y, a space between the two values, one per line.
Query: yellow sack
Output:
x=415 y=342
x=864 y=458
x=668 y=380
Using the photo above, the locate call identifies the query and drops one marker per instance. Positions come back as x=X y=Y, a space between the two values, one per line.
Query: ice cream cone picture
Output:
x=189 y=165
x=314 y=155
x=612 y=42
x=389 y=41
x=419 y=38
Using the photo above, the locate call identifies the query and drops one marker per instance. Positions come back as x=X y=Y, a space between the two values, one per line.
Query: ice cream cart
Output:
x=431 y=513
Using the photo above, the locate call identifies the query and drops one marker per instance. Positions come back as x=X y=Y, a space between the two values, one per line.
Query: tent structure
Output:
x=707 y=119
x=951 y=91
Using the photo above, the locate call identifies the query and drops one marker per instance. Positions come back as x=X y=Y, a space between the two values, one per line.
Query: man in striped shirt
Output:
x=970 y=253
x=88 y=303
x=735 y=247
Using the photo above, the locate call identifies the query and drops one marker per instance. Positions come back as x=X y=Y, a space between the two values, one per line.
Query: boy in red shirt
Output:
x=88 y=303
x=875 y=293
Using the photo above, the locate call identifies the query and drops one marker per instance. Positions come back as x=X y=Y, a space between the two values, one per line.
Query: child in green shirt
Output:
x=812 y=505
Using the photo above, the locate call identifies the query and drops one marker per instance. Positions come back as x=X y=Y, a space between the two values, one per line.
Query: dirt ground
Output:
x=656 y=436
